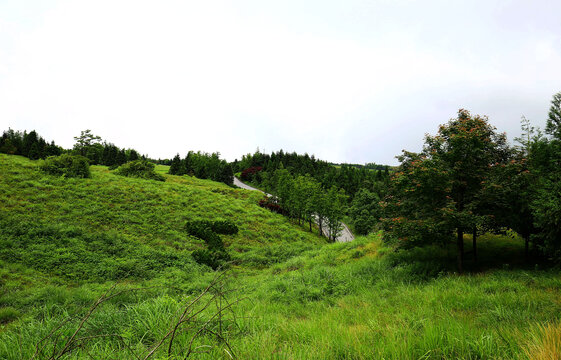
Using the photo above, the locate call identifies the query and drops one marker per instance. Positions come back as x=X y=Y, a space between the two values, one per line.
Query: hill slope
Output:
x=64 y=242
x=122 y=217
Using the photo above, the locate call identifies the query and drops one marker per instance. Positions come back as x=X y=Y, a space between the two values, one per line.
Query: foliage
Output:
x=140 y=169
x=30 y=145
x=214 y=258
x=259 y=167
x=545 y=166
x=303 y=199
x=203 y=166
x=365 y=211
x=215 y=255
x=103 y=153
x=272 y=205
x=438 y=191
x=224 y=227
x=250 y=173
x=69 y=166
x=553 y=125
x=176 y=167
x=335 y=208
x=85 y=141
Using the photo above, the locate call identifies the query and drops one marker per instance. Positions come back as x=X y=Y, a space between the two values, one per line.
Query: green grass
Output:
x=64 y=242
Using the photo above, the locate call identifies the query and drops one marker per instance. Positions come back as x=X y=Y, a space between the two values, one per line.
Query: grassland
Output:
x=64 y=242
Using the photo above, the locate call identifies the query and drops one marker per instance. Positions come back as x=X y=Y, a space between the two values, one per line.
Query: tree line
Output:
x=203 y=166
x=303 y=198
x=350 y=178
x=100 y=152
x=28 y=144
x=103 y=153
x=363 y=185
x=468 y=179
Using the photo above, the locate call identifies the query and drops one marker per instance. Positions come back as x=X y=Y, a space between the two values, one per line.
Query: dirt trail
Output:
x=345 y=236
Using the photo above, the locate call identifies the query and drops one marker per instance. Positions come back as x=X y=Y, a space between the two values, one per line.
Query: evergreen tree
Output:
x=121 y=158
x=553 y=124
x=34 y=152
x=133 y=155
x=175 y=166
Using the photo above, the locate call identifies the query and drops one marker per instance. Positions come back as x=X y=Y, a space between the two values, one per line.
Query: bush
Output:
x=272 y=205
x=215 y=255
x=224 y=227
x=140 y=169
x=197 y=227
x=212 y=258
x=249 y=174
x=70 y=166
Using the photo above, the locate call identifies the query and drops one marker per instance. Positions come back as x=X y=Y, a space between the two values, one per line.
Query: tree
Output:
x=227 y=174
x=34 y=152
x=121 y=158
x=175 y=167
x=85 y=140
x=133 y=155
x=30 y=139
x=335 y=206
x=365 y=211
x=439 y=190
x=545 y=168
x=553 y=124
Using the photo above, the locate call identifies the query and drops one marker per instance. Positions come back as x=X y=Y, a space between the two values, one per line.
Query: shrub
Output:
x=197 y=227
x=224 y=227
x=140 y=169
x=249 y=173
x=215 y=255
x=67 y=165
x=272 y=205
x=212 y=258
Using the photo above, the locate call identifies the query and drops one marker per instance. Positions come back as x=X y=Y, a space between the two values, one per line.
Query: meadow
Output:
x=287 y=294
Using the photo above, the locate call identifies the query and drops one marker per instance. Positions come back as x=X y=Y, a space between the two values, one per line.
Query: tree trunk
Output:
x=460 y=250
x=310 y=221
x=320 y=226
x=474 y=244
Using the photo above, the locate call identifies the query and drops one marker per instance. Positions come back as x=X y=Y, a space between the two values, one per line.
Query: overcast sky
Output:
x=348 y=81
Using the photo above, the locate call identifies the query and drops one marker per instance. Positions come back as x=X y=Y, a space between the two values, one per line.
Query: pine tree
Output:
x=175 y=167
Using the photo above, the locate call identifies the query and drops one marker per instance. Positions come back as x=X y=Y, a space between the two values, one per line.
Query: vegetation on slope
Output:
x=303 y=298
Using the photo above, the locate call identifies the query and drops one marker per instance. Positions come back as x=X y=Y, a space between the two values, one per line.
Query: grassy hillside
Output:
x=64 y=242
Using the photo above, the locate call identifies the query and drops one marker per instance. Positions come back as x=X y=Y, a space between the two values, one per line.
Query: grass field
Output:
x=64 y=242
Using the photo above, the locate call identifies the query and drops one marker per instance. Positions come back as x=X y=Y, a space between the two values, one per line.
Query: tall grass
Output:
x=543 y=341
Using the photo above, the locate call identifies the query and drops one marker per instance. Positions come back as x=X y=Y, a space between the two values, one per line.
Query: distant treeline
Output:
x=203 y=166
x=99 y=152
x=103 y=153
x=33 y=146
x=30 y=145
x=258 y=166
x=369 y=166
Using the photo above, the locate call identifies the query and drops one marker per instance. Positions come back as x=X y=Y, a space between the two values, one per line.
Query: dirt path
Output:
x=345 y=236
